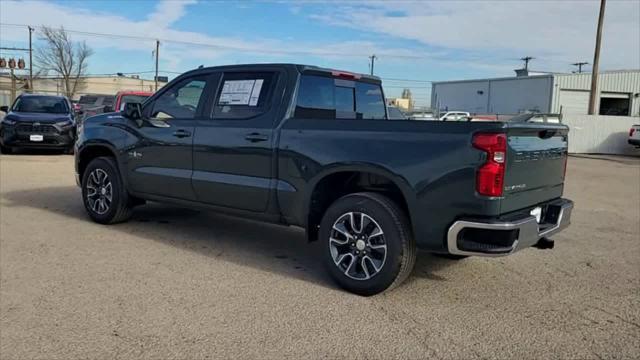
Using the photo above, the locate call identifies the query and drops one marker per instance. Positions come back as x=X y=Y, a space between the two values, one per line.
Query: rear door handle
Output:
x=255 y=137
x=181 y=133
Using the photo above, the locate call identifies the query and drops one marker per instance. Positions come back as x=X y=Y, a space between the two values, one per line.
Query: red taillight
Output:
x=631 y=132
x=490 y=176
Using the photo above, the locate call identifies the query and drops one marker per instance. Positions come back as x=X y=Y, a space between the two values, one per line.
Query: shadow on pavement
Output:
x=267 y=247
x=36 y=151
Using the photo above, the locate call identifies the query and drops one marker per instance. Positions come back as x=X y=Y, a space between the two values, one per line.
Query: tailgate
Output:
x=536 y=163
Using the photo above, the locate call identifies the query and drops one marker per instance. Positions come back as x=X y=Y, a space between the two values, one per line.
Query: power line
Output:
x=231 y=48
x=407 y=80
x=405 y=87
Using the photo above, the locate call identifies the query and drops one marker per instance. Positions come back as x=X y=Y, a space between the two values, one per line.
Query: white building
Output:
x=618 y=94
x=104 y=85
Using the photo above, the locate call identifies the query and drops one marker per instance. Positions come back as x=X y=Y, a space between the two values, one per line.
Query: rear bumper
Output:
x=500 y=237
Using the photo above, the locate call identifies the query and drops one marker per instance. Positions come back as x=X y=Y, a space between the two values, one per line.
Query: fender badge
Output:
x=135 y=154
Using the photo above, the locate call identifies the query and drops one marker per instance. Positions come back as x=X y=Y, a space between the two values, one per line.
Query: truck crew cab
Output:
x=312 y=147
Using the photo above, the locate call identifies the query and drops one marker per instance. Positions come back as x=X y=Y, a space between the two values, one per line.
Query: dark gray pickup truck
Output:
x=312 y=147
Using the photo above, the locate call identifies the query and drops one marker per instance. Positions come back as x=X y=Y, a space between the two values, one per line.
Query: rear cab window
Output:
x=323 y=97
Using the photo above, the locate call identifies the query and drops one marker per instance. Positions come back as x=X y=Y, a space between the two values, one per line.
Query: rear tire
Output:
x=367 y=243
x=103 y=193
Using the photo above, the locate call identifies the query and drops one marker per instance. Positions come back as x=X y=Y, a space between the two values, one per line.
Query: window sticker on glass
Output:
x=255 y=94
x=240 y=92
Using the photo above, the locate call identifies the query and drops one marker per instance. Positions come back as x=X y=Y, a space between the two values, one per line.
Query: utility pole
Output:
x=526 y=60
x=373 y=61
x=596 y=62
x=13 y=86
x=579 y=65
x=157 y=55
x=30 y=60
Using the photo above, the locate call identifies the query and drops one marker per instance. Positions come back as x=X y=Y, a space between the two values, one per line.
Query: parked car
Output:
x=634 y=136
x=312 y=147
x=38 y=121
x=94 y=104
x=396 y=114
x=455 y=116
x=425 y=116
x=124 y=97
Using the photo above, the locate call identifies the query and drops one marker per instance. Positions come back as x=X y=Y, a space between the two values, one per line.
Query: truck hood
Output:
x=112 y=117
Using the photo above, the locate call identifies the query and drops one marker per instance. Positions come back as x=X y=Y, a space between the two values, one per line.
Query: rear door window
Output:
x=243 y=95
x=328 y=98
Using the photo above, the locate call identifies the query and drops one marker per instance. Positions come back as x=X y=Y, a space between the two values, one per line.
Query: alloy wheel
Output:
x=357 y=245
x=99 y=191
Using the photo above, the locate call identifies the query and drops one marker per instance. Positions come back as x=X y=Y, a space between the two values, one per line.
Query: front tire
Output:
x=367 y=242
x=103 y=193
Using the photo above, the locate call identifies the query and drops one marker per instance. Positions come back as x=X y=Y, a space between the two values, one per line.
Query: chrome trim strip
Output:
x=528 y=236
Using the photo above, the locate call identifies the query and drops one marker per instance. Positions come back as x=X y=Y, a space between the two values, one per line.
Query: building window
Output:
x=619 y=106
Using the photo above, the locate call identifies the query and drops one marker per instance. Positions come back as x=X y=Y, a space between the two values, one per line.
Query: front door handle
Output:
x=255 y=137
x=181 y=133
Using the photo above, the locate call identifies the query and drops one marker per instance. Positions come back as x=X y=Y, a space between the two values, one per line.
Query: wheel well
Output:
x=337 y=185
x=91 y=153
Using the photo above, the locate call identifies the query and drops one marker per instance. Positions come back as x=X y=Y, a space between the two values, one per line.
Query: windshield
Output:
x=88 y=100
x=41 y=104
x=134 y=99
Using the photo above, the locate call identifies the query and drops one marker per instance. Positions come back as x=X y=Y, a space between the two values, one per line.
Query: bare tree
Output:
x=64 y=57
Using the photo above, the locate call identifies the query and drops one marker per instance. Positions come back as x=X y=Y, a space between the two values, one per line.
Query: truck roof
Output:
x=297 y=67
x=42 y=95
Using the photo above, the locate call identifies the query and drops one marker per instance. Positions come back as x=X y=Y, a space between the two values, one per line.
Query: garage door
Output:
x=574 y=101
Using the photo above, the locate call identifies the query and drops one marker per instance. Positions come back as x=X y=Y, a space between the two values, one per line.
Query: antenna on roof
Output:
x=200 y=67
x=526 y=60
x=579 y=65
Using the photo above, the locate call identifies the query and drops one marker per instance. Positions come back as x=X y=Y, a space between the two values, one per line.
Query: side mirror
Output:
x=4 y=109
x=132 y=111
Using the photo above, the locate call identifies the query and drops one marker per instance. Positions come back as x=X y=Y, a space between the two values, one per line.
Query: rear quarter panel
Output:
x=433 y=163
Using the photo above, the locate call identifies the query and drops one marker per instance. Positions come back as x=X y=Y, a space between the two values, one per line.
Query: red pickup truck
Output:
x=123 y=97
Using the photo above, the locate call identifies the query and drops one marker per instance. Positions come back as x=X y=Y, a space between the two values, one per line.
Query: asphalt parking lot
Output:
x=176 y=283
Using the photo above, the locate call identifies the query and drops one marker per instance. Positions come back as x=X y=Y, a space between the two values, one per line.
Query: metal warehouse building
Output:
x=619 y=94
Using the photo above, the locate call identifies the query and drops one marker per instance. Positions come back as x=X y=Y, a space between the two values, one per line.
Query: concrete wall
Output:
x=596 y=134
